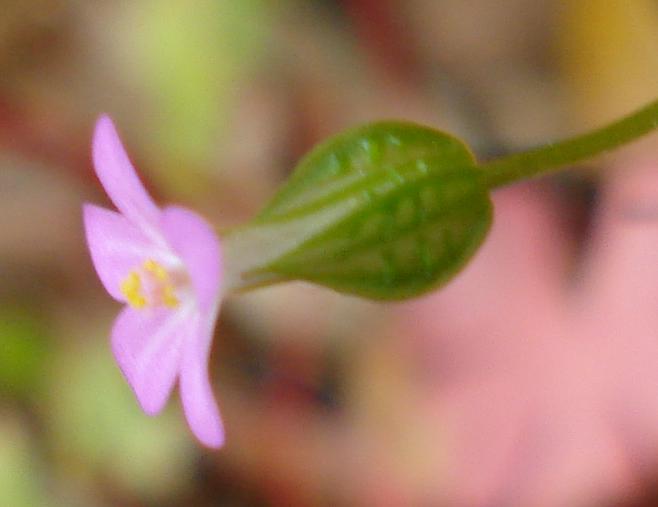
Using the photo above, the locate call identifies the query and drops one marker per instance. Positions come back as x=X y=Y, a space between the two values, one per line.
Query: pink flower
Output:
x=165 y=265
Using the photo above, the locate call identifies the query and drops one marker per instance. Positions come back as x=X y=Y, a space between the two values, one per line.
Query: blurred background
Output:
x=531 y=380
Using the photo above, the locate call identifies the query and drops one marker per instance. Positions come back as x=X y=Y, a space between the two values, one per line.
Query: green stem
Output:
x=552 y=157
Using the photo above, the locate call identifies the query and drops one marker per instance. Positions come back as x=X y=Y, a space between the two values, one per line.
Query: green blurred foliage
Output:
x=24 y=350
x=21 y=480
x=98 y=427
x=191 y=58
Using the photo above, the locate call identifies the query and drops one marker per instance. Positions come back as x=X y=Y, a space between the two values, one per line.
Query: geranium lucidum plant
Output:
x=385 y=211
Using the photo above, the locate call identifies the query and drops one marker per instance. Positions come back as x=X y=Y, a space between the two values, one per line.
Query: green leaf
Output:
x=386 y=211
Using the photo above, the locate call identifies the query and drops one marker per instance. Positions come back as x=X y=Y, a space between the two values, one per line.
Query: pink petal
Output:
x=196 y=393
x=119 y=177
x=116 y=245
x=147 y=345
x=194 y=240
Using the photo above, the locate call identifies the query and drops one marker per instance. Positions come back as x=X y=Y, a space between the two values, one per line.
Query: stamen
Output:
x=156 y=270
x=169 y=298
x=150 y=285
x=131 y=287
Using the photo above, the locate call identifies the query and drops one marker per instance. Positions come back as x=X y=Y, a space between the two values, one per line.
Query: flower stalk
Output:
x=555 y=156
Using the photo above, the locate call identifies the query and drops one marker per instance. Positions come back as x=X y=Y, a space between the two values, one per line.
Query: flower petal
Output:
x=194 y=240
x=117 y=246
x=119 y=177
x=196 y=393
x=147 y=344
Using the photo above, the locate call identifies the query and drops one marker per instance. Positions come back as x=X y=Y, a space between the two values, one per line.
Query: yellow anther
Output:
x=131 y=287
x=149 y=285
x=168 y=297
x=156 y=270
